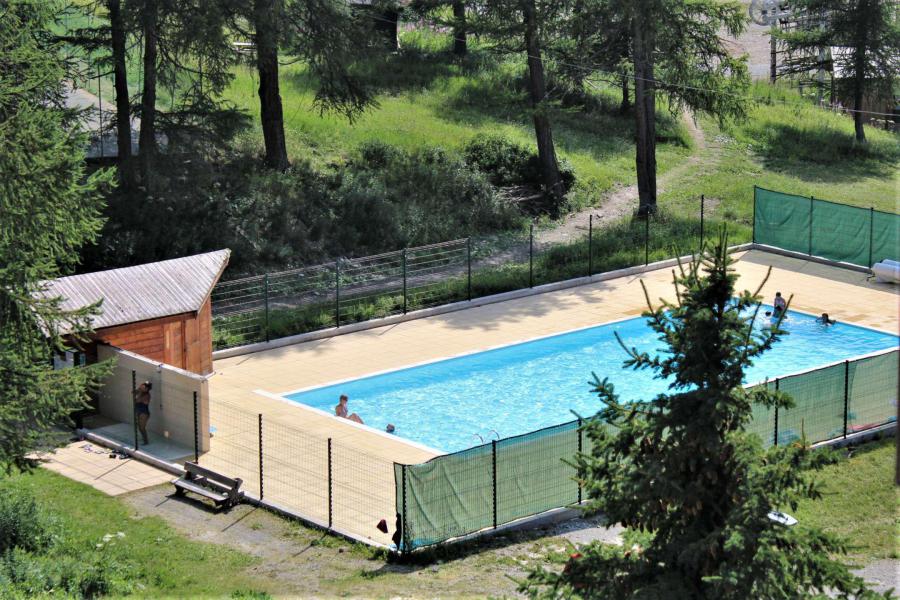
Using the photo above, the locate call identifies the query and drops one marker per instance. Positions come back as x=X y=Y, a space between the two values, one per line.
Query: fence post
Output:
x=337 y=293
x=647 y=239
x=753 y=235
x=494 y=478
x=134 y=417
x=531 y=255
x=330 y=487
x=811 y=201
x=702 y=206
x=469 y=266
x=871 y=233
x=196 y=431
x=260 y=457
x=590 y=244
x=580 y=435
x=846 y=393
x=775 y=441
x=404 y=541
x=405 y=303
x=266 y=287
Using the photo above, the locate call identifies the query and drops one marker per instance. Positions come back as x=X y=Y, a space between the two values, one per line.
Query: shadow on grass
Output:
x=824 y=154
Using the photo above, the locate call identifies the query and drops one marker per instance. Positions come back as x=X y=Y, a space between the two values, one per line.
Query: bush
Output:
x=23 y=525
x=507 y=163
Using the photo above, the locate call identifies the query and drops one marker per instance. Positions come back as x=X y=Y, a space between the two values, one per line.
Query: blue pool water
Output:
x=523 y=387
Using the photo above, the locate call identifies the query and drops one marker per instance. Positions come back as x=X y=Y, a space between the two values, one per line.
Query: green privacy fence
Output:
x=817 y=227
x=489 y=485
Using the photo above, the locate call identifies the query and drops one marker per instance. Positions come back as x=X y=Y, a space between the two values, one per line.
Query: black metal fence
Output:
x=349 y=290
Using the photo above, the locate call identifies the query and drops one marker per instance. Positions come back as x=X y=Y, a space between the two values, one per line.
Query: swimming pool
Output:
x=519 y=388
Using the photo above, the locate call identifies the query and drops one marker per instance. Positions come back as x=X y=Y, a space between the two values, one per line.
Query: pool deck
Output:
x=846 y=295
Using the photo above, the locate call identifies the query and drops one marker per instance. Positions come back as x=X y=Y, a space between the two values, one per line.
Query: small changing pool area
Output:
x=460 y=402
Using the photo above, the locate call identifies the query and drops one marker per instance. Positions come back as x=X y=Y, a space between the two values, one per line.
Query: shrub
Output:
x=23 y=524
x=508 y=163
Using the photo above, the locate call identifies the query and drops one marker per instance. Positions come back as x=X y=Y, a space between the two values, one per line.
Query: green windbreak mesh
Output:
x=454 y=494
x=873 y=391
x=531 y=474
x=818 y=405
x=449 y=496
x=762 y=422
x=885 y=237
x=781 y=220
x=841 y=232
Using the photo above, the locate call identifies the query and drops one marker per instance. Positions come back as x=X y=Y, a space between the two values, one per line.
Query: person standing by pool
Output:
x=779 y=304
x=341 y=410
x=142 y=408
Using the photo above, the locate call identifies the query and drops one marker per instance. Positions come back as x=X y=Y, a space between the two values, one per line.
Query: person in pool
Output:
x=341 y=410
x=826 y=320
x=779 y=304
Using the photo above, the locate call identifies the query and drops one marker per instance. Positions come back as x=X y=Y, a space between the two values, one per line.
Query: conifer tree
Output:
x=681 y=469
x=49 y=208
x=864 y=38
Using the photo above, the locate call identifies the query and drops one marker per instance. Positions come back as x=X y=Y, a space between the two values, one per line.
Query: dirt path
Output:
x=294 y=561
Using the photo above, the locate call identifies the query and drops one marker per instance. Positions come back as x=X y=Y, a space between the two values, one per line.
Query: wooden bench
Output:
x=224 y=491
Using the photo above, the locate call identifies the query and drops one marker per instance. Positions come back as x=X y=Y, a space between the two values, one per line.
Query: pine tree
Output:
x=681 y=469
x=674 y=47
x=49 y=208
x=864 y=36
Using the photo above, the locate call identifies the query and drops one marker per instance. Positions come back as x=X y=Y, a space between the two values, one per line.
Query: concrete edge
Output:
x=456 y=306
x=860 y=437
x=810 y=258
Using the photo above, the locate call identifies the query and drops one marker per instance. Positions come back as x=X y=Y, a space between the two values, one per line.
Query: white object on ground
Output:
x=884 y=271
x=783 y=518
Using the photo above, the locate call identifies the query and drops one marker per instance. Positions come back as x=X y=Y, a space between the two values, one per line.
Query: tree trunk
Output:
x=538 y=89
x=265 y=14
x=460 y=42
x=645 y=117
x=626 y=102
x=859 y=76
x=147 y=137
x=123 y=105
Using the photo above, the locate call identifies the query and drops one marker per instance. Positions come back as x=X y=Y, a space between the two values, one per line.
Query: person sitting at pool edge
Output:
x=341 y=411
x=826 y=320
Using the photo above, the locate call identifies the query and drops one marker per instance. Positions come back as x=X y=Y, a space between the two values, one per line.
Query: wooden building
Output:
x=158 y=310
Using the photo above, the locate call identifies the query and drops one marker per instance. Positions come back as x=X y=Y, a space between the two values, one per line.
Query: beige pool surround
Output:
x=845 y=295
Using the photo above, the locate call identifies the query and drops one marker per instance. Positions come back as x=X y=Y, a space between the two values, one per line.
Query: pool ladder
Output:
x=481 y=439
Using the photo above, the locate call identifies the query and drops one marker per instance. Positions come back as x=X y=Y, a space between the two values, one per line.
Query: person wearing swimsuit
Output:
x=341 y=411
x=142 y=408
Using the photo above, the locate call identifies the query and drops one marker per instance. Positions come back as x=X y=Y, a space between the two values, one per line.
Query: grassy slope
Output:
x=427 y=99
x=163 y=563
x=860 y=502
x=796 y=149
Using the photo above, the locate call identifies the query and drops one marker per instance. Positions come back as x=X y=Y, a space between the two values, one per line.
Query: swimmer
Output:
x=390 y=428
x=826 y=320
x=341 y=411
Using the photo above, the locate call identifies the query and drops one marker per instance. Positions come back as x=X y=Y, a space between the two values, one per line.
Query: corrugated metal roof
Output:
x=142 y=292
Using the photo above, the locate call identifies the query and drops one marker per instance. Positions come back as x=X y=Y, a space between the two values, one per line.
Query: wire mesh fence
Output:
x=458 y=494
x=350 y=290
x=324 y=480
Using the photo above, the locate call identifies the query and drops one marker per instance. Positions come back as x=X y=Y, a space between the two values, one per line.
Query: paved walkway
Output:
x=296 y=458
x=99 y=468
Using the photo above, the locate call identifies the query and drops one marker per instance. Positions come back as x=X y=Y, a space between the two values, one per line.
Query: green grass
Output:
x=795 y=149
x=427 y=98
x=860 y=502
x=155 y=559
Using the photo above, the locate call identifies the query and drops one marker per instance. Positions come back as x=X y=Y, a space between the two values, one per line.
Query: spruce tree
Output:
x=681 y=470
x=49 y=208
